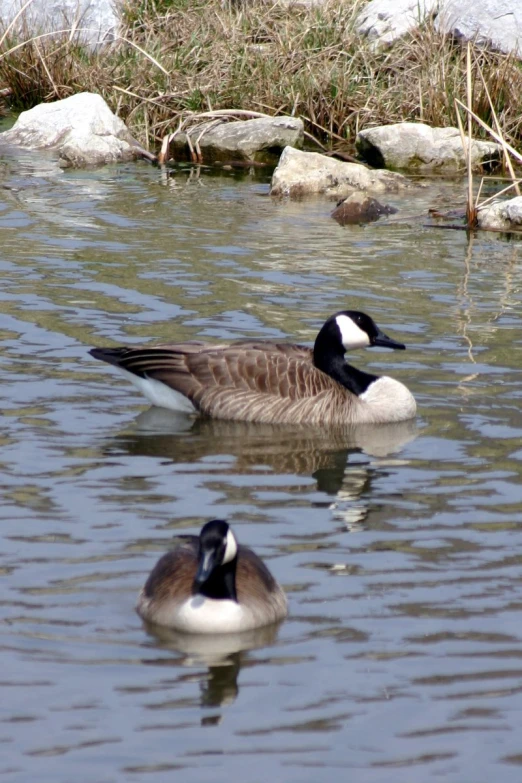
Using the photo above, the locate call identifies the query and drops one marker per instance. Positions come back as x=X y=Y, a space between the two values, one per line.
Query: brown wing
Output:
x=191 y=368
x=257 y=588
x=172 y=577
x=249 y=381
x=253 y=574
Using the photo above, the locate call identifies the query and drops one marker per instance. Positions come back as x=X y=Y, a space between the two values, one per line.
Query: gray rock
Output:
x=81 y=129
x=418 y=147
x=387 y=20
x=301 y=174
x=360 y=208
x=496 y=24
x=501 y=215
x=493 y=23
x=260 y=140
x=95 y=20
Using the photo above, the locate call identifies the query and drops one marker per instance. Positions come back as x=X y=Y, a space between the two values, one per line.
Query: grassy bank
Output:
x=177 y=56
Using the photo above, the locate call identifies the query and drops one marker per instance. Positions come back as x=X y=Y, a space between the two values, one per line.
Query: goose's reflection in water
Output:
x=322 y=453
x=222 y=654
x=286 y=449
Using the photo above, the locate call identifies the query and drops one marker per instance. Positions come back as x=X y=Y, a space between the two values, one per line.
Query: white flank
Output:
x=351 y=335
x=159 y=393
x=231 y=547
x=389 y=401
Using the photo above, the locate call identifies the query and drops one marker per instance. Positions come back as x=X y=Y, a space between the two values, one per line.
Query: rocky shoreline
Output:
x=82 y=131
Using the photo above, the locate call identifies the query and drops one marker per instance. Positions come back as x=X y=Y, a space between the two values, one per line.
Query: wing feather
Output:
x=172 y=577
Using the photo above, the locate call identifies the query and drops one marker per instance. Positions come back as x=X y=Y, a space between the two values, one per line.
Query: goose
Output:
x=269 y=382
x=211 y=584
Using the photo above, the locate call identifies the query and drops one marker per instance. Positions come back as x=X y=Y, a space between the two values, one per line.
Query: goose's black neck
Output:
x=221 y=583
x=329 y=357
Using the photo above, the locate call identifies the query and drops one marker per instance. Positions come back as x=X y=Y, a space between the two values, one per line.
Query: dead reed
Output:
x=175 y=57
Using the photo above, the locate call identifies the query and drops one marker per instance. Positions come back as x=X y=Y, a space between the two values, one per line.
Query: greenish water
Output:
x=400 y=548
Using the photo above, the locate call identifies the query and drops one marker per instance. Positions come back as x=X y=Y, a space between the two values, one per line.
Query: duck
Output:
x=271 y=382
x=209 y=584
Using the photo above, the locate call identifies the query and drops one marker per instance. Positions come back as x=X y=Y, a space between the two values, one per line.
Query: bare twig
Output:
x=490 y=130
x=471 y=208
x=499 y=131
x=144 y=53
x=13 y=21
x=46 y=69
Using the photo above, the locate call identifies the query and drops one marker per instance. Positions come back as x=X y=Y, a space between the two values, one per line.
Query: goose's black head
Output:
x=349 y=329
x=344 y=331
x=217 y=561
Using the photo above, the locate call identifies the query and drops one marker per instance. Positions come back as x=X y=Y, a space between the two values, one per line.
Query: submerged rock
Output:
x=81 y=129
x=360 y=208
x=260 y=140
x=501 y=215
x=416 y=146
x=493 y=23
x=301 y=174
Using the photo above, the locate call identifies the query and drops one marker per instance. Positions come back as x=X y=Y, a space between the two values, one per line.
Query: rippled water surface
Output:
x=400 y=548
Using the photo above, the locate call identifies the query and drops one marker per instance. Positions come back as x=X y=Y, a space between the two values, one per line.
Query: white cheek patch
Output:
x=230 y=548
x=351 y=335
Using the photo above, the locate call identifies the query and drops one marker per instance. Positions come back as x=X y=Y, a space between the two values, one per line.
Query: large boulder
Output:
x=493 y=23
x=418 y=147
x=386 y=20
x=301 y=174
x=260 y=140
x=82 y=130
x=501 y=215
x=94 y=21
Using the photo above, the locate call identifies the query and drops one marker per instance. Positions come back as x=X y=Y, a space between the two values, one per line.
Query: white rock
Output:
x=95 y=20
x=261 y=139
x=81 y=129
x=387 y=20
x=494 y=23
x=307 y=173
x=502 y=215
x=414 y=145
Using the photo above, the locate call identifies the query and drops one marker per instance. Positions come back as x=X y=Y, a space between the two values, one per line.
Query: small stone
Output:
x=360 y=208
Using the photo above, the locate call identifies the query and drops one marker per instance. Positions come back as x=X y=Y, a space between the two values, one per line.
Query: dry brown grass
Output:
x=181 y=56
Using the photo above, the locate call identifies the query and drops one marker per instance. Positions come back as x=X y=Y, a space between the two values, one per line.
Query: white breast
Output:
x=388 y=400
x=160 y=394
x=200 y=614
